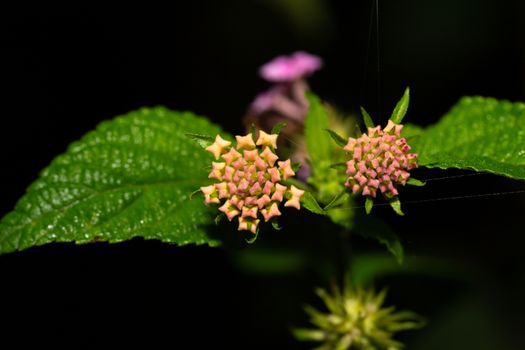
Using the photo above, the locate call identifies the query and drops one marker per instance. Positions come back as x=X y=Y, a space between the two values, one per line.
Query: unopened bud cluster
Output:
x=250 y=176
x=380 y=161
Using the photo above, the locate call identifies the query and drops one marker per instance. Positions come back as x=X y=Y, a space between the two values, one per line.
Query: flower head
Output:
x=249 y=178
x=380 y=161
x=357 y=320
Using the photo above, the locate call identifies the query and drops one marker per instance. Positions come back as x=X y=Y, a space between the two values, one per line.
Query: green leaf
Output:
x=202 y=140
x=369 y=204
x=339 y=140
x=318 y=141
x=367 y=119
x=401 y=107
x=481 y=134
x=371 y=227
x=308 y=201
x=395 y=203
x=131 y=177
x=278 y=127
x=415 y=182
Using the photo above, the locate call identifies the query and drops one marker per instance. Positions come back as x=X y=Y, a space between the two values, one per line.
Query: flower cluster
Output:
x=356 y=319
x=250 y=180
x=380 y=161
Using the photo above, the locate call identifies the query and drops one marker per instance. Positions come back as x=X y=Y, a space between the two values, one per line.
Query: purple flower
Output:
x=290 y=68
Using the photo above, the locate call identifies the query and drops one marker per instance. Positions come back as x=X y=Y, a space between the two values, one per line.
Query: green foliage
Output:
x=131 y=177
x=401 y=107
x=327 y=181
x=481 y=134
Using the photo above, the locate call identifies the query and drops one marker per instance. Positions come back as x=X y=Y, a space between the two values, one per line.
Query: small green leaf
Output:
x=131 y=177
x=481 y=134
x=202 y=140
x=253 y=131
x=401 y=107
x=339 y=140
x=304 y=334
x=194 y=193
x=367 y=119
x=276 y=226
x=415 y=182
x=395 y=203
x=341 y=165
x=369 y=203
x=278 y=127
x=252 y=240
x=308 y=201
x=296 y=166
x=318 y=141
x=370 y=226
x=219 y=218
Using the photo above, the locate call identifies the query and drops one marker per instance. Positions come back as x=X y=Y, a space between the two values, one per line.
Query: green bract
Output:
x=481 y=134
x=131 y=177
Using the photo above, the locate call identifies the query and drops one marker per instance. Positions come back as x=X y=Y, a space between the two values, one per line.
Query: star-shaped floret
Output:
x=218 y=147
x=267 y=139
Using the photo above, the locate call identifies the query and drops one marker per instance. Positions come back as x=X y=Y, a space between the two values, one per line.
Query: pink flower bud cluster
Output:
x=380 y=161
x=250 y=180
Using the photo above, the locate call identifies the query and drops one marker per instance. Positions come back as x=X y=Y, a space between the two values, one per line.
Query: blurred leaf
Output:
x=304 y=334
x=318 y=141
x=366 y=267
x=131 y=177
x=481 y=134
x=342 y=211
x=270 y=262
x=372 y=227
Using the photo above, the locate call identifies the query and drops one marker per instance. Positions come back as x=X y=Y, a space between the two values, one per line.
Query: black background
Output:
x=60 y=75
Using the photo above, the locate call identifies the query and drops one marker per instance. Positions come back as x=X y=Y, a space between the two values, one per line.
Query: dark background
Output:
x=60 y=75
